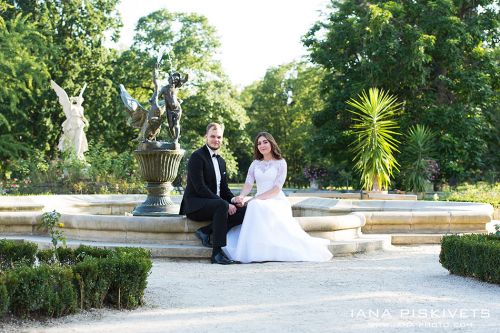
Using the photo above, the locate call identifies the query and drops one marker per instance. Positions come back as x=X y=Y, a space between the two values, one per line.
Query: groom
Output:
x=207 y=196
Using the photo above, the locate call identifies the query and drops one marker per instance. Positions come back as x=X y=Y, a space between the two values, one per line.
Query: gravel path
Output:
x=403 y=289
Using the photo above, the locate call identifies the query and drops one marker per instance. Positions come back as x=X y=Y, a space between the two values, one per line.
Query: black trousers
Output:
x=216 y=210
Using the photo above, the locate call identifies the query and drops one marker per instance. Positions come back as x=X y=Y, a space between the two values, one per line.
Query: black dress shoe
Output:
x=221 y=259
x=205 y=239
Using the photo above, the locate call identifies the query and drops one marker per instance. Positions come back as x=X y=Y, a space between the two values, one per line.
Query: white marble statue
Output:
x=73 y=136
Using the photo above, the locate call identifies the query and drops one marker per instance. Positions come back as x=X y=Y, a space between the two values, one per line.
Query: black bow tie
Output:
x=215 y=155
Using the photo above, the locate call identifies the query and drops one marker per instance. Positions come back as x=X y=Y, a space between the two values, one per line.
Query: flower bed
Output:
x=472 y=255
x=40 y=283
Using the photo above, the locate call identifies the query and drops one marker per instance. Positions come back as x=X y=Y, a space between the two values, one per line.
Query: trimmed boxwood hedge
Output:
x=44 y=283
x=14 y=253
x=472 y=255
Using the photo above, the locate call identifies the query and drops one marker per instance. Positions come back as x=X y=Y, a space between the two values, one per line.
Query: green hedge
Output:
x=472 y=255
x=14 y=253
x=70 y=279
x=41 y=291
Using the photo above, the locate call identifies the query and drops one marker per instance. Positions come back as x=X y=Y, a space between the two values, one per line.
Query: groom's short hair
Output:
x=214 y=125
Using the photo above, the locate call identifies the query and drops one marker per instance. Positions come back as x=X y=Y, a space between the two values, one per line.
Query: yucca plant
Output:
x=418 y=152
x=375 y=143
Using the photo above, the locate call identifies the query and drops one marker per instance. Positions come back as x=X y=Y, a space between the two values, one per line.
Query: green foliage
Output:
x=64 y=255
x=4 y=298
x=417 y=152
x=287 y=118
x=22 y=75
x=41 y=291
x=86 y=277
x=84 y=251
x=15 y=253
x=93 y=285
x=439 y=57
x=50 y=223
x=472 y=255
x=104 y=171
x=481 y=192
x=130 y=268
x=66 y=40
x=375 y=144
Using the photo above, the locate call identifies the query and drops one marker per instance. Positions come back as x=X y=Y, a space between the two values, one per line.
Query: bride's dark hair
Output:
x=275 y=150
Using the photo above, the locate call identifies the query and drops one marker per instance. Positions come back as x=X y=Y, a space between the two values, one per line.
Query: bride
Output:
x=269 y=232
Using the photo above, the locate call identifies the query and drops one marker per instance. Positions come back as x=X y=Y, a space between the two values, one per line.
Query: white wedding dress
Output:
x=269 y=232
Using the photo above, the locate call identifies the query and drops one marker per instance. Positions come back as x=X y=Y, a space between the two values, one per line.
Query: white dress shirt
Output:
x=215 y=161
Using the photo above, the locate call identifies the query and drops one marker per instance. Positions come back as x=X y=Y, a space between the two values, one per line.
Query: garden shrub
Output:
x=472 y=255
x=84 y=278
x=84 y=250
x=65 y=256
x=4 y=298
x=93 y=281
x=46 y=290
x=481 y=192
x=130 y=268
x=15 y=253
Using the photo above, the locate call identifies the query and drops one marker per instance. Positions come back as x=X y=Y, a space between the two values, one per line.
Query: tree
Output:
x=420 y=147
x=283 y=103
x=438 y=57
x=73 y=34
x=375 y=143
x=23 y=76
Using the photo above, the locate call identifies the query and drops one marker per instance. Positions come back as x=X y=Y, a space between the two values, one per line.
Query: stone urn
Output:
x=158 y=164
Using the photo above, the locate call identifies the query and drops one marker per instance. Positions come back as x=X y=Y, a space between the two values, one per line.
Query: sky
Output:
x=254 y=34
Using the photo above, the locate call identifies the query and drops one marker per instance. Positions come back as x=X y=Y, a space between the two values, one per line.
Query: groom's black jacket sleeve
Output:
x=202 y=183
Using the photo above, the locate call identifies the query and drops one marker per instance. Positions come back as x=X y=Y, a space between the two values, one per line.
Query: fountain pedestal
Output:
x=158 y=163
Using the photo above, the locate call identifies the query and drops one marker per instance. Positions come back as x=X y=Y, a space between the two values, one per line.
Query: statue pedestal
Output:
x=158 y=163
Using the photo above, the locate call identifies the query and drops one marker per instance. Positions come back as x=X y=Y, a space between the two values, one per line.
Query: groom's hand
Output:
x=232 y=209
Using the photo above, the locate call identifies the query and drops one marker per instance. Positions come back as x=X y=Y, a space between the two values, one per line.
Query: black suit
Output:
x=201 y=202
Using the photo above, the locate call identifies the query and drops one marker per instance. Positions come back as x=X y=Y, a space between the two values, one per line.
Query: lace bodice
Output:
x=267 y=174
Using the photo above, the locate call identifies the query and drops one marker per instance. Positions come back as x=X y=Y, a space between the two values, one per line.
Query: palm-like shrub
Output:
x=418 y=152
x=375 y=142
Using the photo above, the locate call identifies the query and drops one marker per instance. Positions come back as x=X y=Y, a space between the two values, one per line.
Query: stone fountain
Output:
x=158 y=160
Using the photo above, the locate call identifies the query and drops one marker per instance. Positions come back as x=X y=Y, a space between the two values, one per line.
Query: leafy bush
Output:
x=481 y=192
x=65 y=256
x=374 y=130
x=4 y=298
x=84 y=250
x=105 y=171
x=92 y=284
x=130 y=268
x=46 y=290
x=14 y=253
x=86 y=277
x=417 y=166
x=472 y=255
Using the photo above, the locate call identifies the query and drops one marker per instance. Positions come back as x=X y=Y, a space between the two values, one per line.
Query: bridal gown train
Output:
x=269 y=232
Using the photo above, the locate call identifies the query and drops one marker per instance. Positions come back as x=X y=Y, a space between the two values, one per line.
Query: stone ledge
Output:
x=343 y=206
x=354 y=195
x=340 y=248
x=416 y=239
x=161 y=230
x=20 y=206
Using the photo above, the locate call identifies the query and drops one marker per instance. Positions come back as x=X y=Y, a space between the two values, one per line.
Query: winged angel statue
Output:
x=73 y=136
x=150 y=121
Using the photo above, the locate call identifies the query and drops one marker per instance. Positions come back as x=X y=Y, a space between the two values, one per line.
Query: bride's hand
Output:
x=239 y=201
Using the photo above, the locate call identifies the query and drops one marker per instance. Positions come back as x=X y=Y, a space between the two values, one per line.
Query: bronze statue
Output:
x=150 y=121
x=172 y=104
